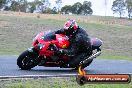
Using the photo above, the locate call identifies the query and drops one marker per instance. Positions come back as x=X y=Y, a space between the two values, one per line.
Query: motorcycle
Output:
x=44 y=52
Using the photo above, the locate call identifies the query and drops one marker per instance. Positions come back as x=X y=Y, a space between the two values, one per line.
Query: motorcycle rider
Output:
x=80 y=47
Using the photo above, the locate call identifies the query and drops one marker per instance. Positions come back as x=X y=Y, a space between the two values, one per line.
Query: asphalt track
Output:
x=8 y=67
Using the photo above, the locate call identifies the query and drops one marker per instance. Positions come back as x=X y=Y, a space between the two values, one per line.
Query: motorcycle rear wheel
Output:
x=26 y=60
x=84 y=66
x=89 y=62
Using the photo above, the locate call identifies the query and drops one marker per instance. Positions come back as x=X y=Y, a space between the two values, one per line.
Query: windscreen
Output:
x=48 y=36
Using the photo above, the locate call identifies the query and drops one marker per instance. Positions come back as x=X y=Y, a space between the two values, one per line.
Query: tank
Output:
x=63 y=41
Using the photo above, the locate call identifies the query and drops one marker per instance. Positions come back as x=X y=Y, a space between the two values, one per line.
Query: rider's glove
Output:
x=60 y=51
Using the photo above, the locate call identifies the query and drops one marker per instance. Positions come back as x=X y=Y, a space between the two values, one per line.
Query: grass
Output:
x=116 y=57
x=55 y=83
x=17 y=31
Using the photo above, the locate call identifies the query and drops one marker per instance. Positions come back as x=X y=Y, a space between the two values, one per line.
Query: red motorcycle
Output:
x=44 y=51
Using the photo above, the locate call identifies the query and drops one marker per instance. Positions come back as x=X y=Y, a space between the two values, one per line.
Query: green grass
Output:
x=115 y=57
x=56 y=83
x=16 y=32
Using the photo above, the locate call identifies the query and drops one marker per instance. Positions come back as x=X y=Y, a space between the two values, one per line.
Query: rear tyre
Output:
x=89 y=62
x=27 y=60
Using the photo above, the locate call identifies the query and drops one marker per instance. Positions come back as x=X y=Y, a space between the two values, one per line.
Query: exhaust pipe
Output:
x=84 y=62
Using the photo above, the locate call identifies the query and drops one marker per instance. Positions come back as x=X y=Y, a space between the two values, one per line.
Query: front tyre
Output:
x=27 y=60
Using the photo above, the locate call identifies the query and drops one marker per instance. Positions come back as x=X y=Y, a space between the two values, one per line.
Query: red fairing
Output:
x=63 y=41
x=38 y=39
x=43 y=51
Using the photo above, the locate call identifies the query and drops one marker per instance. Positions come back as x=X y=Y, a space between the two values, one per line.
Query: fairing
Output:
x=60 y=40
x=96 y=42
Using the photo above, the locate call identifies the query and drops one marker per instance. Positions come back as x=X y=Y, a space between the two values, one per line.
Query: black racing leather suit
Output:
x=80 y=47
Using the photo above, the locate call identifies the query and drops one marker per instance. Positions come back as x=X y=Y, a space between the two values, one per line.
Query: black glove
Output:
x=60 y=51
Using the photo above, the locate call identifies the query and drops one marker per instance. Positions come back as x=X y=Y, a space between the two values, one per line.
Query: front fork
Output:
x=33 y=50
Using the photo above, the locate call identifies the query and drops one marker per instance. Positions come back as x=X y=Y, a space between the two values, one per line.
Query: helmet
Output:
x=70 y=27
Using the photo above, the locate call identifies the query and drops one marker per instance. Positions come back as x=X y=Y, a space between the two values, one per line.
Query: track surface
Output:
x=8 y=67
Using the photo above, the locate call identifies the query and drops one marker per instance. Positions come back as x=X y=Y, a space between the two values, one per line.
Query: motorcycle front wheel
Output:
x=27 y=60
